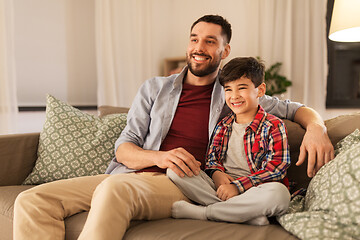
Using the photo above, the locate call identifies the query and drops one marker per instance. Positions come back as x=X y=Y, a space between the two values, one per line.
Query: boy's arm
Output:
x=274 y=166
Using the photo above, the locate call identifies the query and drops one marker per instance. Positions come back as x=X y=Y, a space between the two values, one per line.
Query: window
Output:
x=343 y=83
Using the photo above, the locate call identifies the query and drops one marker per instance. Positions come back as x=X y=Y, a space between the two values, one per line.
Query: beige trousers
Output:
x=112 y=201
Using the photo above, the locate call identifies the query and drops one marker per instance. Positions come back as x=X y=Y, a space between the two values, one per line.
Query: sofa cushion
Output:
x=73 y=143
x=160 y=229
x=331 y=207
x=8 y=195
x=341 y=126
x=17 y=157
x=107 y=110
x=169 y=228
x=297 y=174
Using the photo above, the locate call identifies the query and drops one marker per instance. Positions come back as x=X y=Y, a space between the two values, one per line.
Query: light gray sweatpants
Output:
x=268 y=199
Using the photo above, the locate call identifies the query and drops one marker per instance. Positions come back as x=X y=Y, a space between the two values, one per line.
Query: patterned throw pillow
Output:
x=73 y=143
x=331 y=207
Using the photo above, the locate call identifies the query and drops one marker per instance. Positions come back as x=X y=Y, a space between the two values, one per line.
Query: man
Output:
x=169 y=125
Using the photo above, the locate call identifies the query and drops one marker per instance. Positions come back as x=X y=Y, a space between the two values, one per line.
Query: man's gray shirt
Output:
x=153 y=109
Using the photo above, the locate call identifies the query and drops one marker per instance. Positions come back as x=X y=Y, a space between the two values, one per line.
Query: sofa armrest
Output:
x=18 y=153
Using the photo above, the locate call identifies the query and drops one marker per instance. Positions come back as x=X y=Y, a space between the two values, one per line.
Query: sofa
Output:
x=18 y=154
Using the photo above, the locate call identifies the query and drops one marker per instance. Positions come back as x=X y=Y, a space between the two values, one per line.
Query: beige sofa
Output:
x=18 y=154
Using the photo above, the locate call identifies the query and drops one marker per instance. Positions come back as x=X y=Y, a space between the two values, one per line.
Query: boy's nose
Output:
x=235 y=96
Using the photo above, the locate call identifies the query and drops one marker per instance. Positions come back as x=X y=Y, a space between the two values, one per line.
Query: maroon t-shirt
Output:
x=189 y=128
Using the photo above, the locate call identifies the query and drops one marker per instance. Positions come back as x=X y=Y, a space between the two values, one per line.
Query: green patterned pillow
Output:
x=73 y=143
x=331 y=207
x=347 y=142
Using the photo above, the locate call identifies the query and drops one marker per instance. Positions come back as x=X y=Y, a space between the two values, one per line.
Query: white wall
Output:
x=55 y=46
x=55 y=51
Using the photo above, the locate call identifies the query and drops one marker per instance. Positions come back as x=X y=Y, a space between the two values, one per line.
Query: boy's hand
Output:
x=221 y=178
x=226 y=191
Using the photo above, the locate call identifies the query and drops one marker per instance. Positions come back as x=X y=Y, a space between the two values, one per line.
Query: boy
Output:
x=246 y=161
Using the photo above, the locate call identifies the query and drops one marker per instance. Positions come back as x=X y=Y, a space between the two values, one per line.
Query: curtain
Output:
x=135 y=36
x=8 y=103
x=124 y=49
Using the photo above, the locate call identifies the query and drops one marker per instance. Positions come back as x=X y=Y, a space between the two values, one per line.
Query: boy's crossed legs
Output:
x=253 y=206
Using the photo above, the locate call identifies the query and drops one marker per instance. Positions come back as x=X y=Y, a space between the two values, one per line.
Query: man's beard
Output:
x=210 y=68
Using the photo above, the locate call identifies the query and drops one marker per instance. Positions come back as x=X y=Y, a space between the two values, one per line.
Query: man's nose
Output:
x=200 y=46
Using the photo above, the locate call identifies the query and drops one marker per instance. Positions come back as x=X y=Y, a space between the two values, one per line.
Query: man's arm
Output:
x=135 y=157
x=316 y=143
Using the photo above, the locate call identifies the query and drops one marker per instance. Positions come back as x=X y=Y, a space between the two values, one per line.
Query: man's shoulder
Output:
x=156 y=85
x=161 y=80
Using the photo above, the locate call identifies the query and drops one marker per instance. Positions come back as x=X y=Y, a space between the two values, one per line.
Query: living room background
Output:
x=90 y=53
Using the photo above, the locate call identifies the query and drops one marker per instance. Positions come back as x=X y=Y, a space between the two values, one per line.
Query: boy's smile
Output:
x=242 y=97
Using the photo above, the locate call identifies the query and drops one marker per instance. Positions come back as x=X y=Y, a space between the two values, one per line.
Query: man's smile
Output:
x=200 y=57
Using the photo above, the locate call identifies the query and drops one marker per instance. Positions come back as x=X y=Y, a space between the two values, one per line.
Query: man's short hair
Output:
x=248 y=67
x=219 y=20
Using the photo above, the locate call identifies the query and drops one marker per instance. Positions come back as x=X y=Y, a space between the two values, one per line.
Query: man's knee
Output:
x=114 y=185
x=22 y=198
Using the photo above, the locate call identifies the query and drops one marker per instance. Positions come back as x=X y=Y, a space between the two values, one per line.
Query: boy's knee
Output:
x=279 y=197
x=172 y=175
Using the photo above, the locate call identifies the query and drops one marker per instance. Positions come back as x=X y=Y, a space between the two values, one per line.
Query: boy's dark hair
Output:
x=219 y=20
x=248 y=67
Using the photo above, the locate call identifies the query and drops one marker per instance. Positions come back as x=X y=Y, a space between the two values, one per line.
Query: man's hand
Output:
x=226 y=191
x=221 y=178
x=180 y=161
x=317 y=146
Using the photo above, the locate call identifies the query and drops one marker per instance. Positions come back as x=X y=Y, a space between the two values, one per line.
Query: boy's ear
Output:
x=226 y=51
x=261 y=89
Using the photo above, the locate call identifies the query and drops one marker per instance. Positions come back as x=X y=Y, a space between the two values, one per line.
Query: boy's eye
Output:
x=211 y=42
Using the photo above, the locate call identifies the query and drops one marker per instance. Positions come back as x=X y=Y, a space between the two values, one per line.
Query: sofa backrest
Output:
x=338 y=128
x=18 y=153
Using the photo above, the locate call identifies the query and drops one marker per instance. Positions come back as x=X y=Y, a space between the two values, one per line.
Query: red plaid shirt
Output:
x=266 y=148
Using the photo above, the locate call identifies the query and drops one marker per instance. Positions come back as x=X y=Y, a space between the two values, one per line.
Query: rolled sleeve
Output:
x=138 y=118
x=285 y=109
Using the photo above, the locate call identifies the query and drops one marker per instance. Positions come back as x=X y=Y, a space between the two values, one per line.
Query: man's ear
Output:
x=261 y=89
x=226 y=51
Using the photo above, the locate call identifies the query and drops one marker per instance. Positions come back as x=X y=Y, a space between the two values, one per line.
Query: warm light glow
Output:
x=345 y=21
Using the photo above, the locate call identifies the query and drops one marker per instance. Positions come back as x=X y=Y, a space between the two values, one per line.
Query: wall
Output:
x=55 y=51
x=55 y=45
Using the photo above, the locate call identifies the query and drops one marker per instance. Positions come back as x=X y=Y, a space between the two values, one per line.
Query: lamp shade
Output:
x=345 y=21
